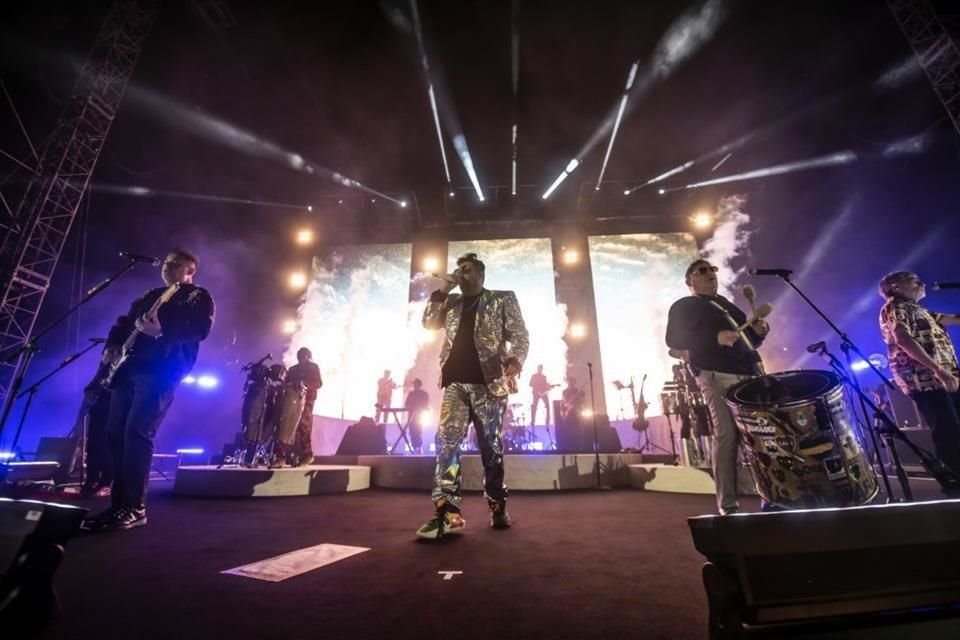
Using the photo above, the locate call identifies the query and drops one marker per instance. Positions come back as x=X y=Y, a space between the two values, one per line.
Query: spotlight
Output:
x=304 y=237
x=189 y=379
x=431 y=264
x=297 y=280
x=571 y=256
x=289 y=327
x=196 y=451
x=859 y=365
x=207 y=382
x=702 y=220
x=339 y=201
x=452 y=194
x=578 y=330
x=661 y=191
x=372 y=200
x=309 y=207
x=586 y=413
x=626 y=192
x=403 y=203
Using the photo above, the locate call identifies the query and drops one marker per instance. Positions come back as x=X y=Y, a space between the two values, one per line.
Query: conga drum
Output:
x=800 y=442
x=290 y=408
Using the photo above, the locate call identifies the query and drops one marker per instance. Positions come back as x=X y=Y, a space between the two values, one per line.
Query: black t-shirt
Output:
x=463 y=363
x=693 y=326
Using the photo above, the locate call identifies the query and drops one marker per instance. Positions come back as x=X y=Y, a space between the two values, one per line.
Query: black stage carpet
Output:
x=613 y=564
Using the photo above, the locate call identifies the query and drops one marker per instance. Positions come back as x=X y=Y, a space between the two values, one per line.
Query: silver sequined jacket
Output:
x=499 y=322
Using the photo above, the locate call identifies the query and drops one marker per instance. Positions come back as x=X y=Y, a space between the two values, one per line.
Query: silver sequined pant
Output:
x=463 y=404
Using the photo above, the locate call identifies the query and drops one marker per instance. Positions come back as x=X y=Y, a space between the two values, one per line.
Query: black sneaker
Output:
x=499 y=518
x=122 y=518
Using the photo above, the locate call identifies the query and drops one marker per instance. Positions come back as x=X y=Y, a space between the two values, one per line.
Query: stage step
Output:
x=238 y=482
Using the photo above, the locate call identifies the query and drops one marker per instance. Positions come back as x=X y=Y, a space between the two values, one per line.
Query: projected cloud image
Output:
x=525 y=266
x=356 y=319
x=635 y=279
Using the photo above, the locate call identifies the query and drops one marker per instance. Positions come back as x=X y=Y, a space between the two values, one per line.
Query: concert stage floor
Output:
x=580 y=564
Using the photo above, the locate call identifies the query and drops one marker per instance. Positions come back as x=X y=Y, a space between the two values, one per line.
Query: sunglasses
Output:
x=705 y=270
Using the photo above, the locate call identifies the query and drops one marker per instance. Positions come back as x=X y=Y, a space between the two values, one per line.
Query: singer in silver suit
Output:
x=702 y=326
x=484 y=349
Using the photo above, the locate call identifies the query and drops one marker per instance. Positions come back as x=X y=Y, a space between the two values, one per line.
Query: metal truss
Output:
x=37 y=233
x=936 y=49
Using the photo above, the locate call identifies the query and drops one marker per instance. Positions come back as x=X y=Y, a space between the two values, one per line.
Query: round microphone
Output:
x=817 y=346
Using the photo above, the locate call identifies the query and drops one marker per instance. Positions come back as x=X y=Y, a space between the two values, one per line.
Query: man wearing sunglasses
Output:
x=700 y=326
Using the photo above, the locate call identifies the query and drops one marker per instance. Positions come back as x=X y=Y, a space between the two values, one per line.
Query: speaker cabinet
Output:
x=364 y=438
x=823 y=567
x=32 y=539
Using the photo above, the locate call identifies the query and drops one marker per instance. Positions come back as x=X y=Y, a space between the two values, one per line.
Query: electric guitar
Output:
x=127 y=350
x=640 y=423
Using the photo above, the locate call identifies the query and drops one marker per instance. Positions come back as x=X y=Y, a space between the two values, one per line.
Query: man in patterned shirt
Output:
x=923 y=360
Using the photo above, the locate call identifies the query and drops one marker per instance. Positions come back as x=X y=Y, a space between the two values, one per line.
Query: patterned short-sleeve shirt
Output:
x=923 y=327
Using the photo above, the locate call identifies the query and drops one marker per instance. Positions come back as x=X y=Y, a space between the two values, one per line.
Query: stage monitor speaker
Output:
x=364 y=438
x=32 y=538
x=60 y=450
x=825 y=567
x=576 y=435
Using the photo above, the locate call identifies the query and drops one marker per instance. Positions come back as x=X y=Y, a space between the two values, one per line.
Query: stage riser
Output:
x=232 y=482
x=546 y=472
x=680 y=479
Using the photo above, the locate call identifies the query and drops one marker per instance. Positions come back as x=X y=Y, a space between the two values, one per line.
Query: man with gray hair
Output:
x=923 y=360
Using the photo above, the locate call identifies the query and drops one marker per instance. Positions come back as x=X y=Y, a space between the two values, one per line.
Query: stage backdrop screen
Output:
x=357 y=320
x=636 y=278
x=525 y=266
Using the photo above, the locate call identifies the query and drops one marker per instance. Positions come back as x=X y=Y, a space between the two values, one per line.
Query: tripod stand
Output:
x=596 y=435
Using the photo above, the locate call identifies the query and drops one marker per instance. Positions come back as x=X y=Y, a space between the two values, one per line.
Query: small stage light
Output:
x=196 y=451
x=339 y=201
x=7 y=455
x=403 y=203
x=626 y=192
x=373 y=200
x=431 y=264
x=304 y=237
x=297 y=280
x=189 y=379
x=586 y=413
x=859 y=365
x=207 y=382
x=289 y=326
x=702 y=220
x=661 y=191
x=571 y=256
x=309 y=207
x=452 y=194
x=578 y=330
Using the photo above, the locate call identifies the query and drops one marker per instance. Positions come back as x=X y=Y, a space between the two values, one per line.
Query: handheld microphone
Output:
x=135 y=257
x=936 y=286
x=446 y=277
x=817 y=347
x=783 y=273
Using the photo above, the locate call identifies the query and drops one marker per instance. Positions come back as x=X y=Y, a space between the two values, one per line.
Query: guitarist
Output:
x=485 y=345
x=699 y=325
x=541 y=389
x=162 y=334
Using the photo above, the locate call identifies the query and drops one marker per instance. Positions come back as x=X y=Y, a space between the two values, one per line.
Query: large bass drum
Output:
x=290 y=409
x=800 y=441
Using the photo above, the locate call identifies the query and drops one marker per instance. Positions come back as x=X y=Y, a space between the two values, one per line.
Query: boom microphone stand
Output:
x=946 y=478
x=25 y=353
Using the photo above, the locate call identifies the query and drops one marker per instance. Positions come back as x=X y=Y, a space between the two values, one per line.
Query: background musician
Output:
x=165 y=343
x=700 y=325
x=385 y=387
x=540 y=387
x=305 y=372
x=923 y=360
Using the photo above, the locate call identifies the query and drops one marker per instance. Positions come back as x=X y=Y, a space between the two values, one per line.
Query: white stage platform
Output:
x=524 y=472
x=238 y=482
x=679 y=479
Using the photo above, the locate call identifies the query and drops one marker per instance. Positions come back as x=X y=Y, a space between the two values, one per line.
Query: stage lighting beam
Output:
x=616 y=123
x=570 y=168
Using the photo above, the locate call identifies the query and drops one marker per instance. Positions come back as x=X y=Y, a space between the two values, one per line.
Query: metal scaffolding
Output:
x=936 y=49
x=37 y=231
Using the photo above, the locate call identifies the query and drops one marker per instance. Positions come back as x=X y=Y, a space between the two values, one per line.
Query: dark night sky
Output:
x=340 y=84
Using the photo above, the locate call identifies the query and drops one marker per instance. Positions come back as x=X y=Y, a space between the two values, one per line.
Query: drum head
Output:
x=783 y=389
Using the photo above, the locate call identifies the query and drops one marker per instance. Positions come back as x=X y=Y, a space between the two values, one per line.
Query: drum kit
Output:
x=681 y=400
x=272 y=407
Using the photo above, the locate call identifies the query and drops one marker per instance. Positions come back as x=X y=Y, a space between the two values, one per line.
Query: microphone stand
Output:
x=25 y=353
x=871 y=430
x=889 y=429
x=596 y=437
